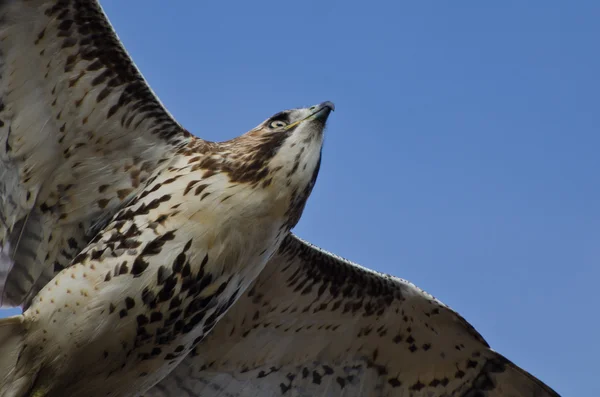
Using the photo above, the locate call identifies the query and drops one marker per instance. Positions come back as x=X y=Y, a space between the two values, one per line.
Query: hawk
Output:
x=152 y=262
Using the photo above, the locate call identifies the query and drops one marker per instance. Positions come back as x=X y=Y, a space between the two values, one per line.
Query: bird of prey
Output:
x=151 y=262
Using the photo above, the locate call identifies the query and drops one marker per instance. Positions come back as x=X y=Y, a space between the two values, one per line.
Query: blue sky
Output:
x=463 y=154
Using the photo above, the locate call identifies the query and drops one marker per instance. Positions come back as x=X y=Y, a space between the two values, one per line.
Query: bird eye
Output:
x=278 y=124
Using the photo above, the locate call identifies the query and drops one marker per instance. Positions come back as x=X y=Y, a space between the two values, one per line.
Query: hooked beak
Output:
x=318 y=112
x=322 y=110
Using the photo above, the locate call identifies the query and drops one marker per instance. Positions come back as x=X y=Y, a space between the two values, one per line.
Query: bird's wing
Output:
x=80 y=130
x=314 y=324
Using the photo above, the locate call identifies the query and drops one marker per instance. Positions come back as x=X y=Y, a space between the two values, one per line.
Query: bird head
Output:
x=283 y=153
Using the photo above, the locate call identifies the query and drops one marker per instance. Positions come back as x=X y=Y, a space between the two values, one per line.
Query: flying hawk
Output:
x=151 y=262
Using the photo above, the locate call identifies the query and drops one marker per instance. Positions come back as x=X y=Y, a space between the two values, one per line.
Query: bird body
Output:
x=151 y=262
x=153 y=282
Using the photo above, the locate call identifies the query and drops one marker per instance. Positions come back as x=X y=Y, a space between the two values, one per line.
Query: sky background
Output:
x=463 y=154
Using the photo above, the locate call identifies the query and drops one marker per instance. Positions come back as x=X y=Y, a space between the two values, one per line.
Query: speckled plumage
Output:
x=315 y=324
x=124 y=237
x=152 y=262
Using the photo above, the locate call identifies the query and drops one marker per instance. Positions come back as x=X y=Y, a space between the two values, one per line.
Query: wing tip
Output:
x=513 y=381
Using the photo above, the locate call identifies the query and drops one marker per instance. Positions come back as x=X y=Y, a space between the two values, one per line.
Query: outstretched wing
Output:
x=314 y=324
x=79 y=132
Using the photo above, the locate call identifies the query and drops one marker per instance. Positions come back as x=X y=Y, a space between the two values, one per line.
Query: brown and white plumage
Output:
x=127 y=239
x=124 y=237
x=74 y=110
x=314 y=324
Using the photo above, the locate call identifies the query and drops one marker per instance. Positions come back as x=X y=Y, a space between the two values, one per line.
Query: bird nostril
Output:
x=312 y=108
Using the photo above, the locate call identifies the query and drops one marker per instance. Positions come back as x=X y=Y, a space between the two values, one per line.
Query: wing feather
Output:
x=314 y=324
x=80 y=131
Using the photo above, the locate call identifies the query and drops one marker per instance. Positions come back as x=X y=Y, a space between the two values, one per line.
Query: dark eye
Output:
x=278 y=124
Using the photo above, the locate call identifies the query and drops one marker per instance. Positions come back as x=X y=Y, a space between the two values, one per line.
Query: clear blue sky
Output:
x=463 y=154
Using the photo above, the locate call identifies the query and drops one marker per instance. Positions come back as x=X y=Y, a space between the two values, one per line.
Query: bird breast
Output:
x=157 y=278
